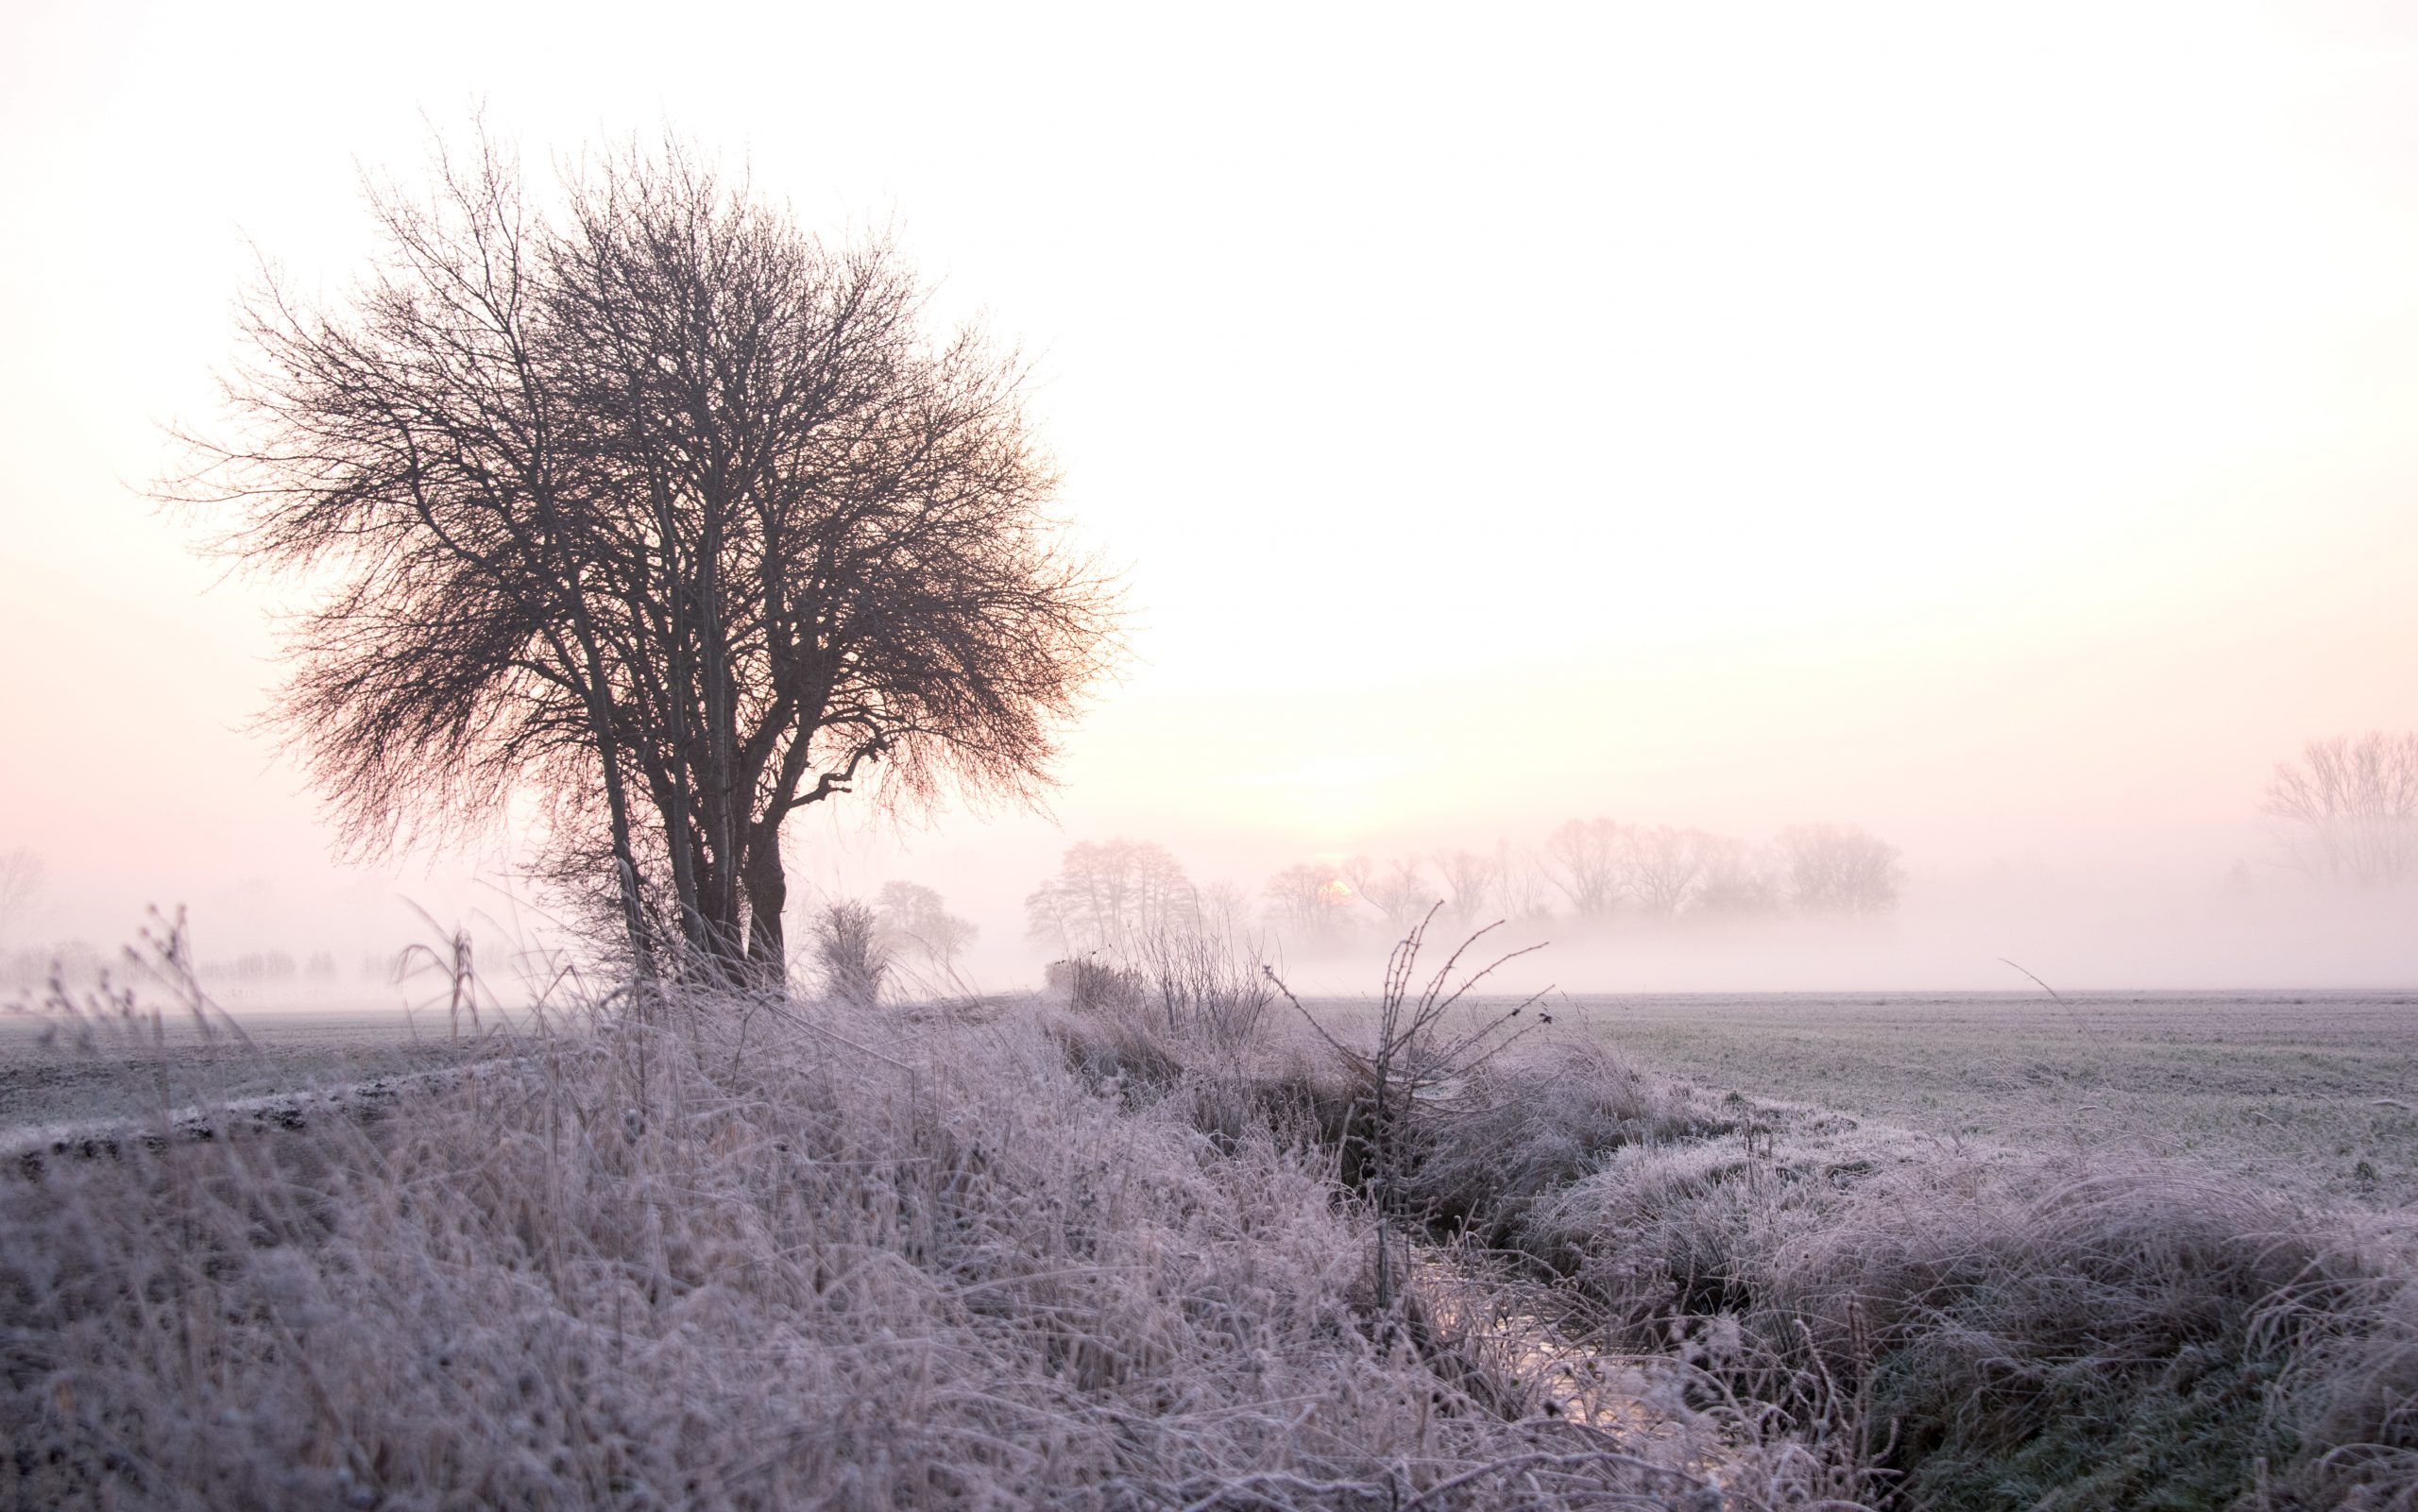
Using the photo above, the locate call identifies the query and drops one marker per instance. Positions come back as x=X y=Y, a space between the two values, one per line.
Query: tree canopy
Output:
x=646 y=504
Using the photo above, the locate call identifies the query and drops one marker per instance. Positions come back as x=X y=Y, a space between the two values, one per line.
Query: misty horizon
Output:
x=1858 y=442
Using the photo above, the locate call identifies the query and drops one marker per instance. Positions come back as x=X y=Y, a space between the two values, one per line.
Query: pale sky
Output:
x=1989 y=426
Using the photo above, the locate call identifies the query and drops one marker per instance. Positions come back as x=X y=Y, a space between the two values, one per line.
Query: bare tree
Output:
x=1111 y=896
x=1738 y=880
x=1839 y=868
x=915 y=922
x=1584 y=859
x=1521 y=888
x=1308 y=904
x=661 y=511
x=1225 y=912
x=1469 y=882
x=2352 y=809
x=1400 y=891
x=1663 y=867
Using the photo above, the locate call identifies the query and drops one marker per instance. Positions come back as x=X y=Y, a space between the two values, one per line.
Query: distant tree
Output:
x=1308 y=903
x=256 y=966
x=1737 y=881
x=70 y=961
x=1838 y=869
x=1225 y=912
x=1521 y=888
x=660 y=513
x=1663 y=867
x=1111 y=896
x=1398 y=891
x=914 y=922
x=1470 y=881
x=2351 y=808
x=1584 y=859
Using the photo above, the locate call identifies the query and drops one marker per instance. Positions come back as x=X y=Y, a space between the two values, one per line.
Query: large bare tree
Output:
x=648 y=503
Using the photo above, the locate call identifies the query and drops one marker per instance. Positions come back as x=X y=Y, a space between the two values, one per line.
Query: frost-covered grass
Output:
x=1979 y=1323
x=791 y=1256
x=1030 y=1255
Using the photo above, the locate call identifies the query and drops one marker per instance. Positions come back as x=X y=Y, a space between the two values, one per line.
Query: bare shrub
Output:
x=1190 y=1009
x=1205 y=988
x=851 y=954
x=1098 y=984
x=1420 y=1056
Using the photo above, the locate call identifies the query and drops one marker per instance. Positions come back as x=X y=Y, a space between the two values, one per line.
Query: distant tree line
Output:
x=1594 y=873
x=1114 y=897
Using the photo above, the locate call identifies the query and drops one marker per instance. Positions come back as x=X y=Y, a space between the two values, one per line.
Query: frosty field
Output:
x=47 y=1077
x=2308 y=1091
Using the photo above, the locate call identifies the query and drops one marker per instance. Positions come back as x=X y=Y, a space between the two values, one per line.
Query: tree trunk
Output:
x=616 y=809
x=768 y=891
x=617 y=805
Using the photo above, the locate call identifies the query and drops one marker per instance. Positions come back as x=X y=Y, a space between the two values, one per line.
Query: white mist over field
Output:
x=2082 y=927
x=1988 y=431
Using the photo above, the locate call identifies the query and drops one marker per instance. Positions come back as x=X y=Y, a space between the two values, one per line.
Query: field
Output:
x=47 y=1076
x=1814 y=1252
x=2314 y=1093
